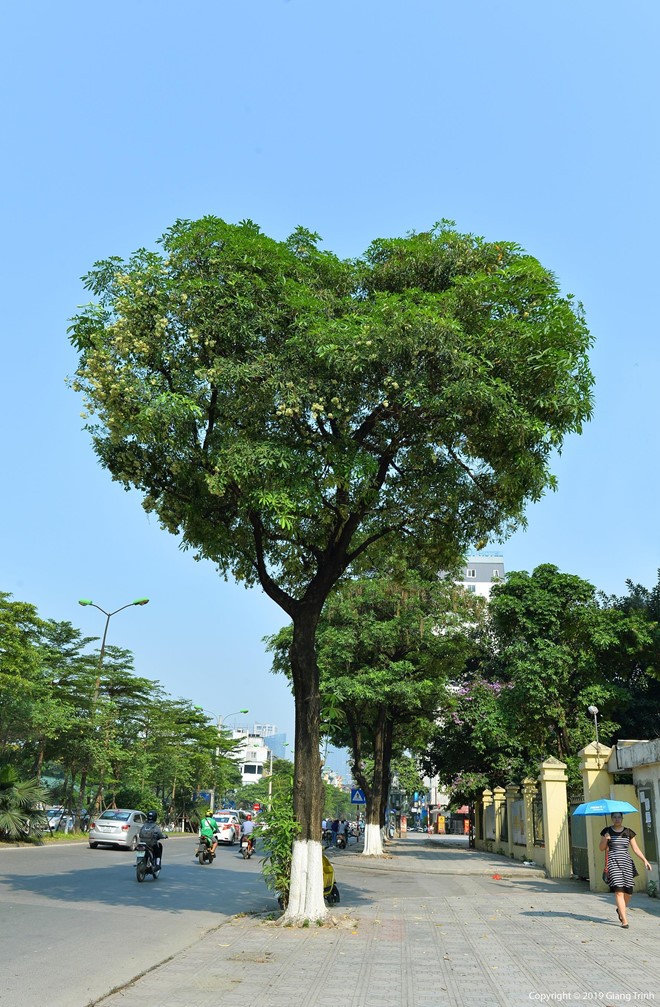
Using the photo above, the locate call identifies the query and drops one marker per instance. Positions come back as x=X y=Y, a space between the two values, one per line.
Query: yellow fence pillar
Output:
x=486 y=803
x=595 y=784
x=512 y=795
x=500 y=807
x=529 y=793
x=478 y=821
x=555 y=818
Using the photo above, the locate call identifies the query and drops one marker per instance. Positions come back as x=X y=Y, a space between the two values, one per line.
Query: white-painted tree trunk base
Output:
x=373 y=844
x=306 y=900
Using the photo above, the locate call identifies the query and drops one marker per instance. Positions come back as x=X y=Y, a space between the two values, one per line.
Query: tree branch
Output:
x=278 y=595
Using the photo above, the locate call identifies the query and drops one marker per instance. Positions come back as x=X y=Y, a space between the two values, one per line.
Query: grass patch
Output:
x=64 y=837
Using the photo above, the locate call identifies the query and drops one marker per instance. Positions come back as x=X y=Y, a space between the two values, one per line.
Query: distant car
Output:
x=116 y=827
x=58 y=819
x=229 y=827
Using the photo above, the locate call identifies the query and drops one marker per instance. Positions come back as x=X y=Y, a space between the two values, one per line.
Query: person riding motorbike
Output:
x=152 y=835
x=207 y=828
x=247 y=828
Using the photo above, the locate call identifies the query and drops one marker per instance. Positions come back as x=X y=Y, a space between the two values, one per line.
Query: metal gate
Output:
x=577 y=828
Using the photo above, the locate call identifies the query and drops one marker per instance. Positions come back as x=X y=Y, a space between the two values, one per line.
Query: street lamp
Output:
x=221 y=720
x=270 y=775
x=593 y=712
x=86 y=603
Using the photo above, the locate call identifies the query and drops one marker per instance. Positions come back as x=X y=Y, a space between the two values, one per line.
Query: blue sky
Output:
x=523 y=121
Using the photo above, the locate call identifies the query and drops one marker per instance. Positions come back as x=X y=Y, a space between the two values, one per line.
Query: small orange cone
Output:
x=497 y=877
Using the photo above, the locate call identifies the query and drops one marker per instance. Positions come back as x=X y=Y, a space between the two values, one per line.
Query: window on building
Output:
x=472 y=588
x=471 y=571
x=250 y=769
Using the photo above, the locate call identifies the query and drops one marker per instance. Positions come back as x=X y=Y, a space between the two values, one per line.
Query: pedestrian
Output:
x=335 y=829
x=620 y=872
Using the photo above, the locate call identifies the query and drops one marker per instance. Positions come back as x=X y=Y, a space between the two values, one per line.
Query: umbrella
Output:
x=603 y=807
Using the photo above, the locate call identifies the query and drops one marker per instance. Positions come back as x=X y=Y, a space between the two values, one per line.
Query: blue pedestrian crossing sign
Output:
x=357 y=796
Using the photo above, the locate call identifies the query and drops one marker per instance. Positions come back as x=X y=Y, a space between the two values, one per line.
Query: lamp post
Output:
x=270 y=775
x=593 y=712
x=87 y=603
x=219 y=721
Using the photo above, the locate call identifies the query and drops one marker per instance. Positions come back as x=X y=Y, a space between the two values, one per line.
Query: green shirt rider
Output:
x=207 y=829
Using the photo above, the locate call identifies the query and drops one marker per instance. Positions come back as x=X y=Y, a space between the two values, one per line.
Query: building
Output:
x=279 y=746
x=254 y=750
x=252 y=755
x=334 y=779
x=481 y=571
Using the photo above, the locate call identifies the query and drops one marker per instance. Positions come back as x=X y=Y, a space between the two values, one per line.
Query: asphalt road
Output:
x=74 y=923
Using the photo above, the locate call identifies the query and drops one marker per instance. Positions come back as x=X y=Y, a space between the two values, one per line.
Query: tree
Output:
x=56 y=717
x=251 y=793
x=638 y=670
x=556 y=648
x=284 y=410
x=387 y=643
x=19 y=804
x=20 y=673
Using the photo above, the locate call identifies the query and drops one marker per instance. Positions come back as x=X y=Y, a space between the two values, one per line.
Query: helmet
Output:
x=152 y=816
x=248 y=818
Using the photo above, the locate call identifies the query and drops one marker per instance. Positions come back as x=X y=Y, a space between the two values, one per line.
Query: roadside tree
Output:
x=556 y=647
x=388 y=642
x=283 y=410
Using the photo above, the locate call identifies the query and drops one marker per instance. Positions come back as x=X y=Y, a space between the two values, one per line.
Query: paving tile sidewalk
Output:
x=419 y=937
x=437 y=855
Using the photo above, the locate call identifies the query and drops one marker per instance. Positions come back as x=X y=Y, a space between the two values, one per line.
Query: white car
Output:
x=229 y=827
x=58 y=820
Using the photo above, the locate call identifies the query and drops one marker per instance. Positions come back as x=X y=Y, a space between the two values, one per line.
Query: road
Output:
x=74 y=923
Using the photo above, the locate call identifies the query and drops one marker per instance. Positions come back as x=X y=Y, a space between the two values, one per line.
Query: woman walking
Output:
x=620 y=870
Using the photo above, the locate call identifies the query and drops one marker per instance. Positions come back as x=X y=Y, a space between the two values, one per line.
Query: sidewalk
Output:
x=438 y=855
x=426 y=927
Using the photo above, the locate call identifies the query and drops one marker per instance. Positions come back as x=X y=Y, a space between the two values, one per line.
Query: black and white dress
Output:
x=621 y=872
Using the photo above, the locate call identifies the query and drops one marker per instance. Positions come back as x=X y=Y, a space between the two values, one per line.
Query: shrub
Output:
x=278 y=830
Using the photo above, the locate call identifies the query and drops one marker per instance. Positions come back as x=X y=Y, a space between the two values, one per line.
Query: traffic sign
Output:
x=357 y=796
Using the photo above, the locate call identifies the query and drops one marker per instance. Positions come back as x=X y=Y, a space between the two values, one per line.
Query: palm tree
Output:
x=20 y=816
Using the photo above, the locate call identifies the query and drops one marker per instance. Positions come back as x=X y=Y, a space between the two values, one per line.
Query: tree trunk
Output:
x=387 y=768
x=306 y=892
x=40 y=760
x=81 y=795
x=373 y=841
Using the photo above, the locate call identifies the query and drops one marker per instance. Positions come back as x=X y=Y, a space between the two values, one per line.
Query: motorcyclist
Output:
x=152 y=835
x=247 y=828
x=207 y=829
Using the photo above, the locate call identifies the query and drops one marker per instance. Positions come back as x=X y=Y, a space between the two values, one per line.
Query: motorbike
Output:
x=145 y=862
x=203 y=851
x=247 y=847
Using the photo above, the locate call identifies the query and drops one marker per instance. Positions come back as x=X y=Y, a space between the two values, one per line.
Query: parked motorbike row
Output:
x=328 y=839
x=353 y=831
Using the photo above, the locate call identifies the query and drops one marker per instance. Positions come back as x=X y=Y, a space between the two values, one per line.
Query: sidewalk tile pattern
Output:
x=422 y=939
